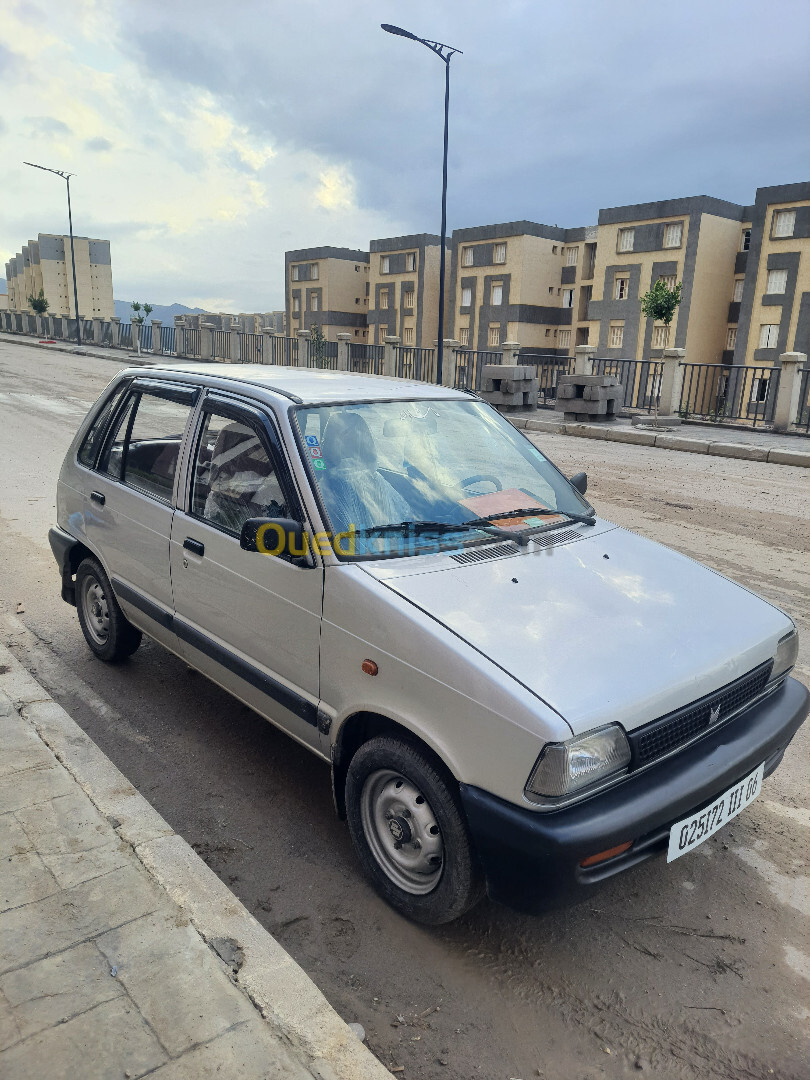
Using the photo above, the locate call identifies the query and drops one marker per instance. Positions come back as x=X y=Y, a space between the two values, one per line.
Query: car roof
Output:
x=304 y=386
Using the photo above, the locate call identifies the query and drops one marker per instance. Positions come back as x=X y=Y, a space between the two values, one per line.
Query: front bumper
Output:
x=532 y=859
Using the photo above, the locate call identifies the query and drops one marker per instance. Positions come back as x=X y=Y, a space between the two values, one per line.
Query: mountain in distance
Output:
x=164 y=312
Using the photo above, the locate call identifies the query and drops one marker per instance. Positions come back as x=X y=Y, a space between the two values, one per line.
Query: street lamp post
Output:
x=445 y=52
x=66 y=177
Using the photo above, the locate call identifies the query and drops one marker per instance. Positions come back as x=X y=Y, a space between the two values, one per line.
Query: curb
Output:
x=279 y=989
x=73 y=350
x=746 y=451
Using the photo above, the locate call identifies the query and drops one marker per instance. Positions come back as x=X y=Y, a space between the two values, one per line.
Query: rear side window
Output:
x=145 y=446
x=92 y=441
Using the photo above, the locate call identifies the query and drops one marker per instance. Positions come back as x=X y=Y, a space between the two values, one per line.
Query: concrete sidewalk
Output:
x=713 y=439
x=122 y=955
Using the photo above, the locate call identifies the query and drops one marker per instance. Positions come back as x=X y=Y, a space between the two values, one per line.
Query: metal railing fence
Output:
x=549 y=367
x=251 y=348
x=366 y=358
x=641 y=380
x=741 y=393
x=167 y=339
x=191 y=342
x=221 y=344
x=414 y=363
x=469 y=364
x=803 y=415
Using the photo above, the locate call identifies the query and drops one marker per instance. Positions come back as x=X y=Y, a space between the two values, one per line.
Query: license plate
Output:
x=687 y=834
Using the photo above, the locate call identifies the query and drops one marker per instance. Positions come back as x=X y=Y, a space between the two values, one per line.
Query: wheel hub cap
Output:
x=402 y=832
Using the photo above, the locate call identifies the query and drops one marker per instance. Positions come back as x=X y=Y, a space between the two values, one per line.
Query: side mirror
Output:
x=579 y=481
x=276 y=536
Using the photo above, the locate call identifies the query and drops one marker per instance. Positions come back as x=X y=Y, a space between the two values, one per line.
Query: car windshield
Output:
x=418 y=471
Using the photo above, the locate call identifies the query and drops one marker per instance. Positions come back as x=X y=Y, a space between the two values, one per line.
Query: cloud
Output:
x=226 y=142
x=43 y=126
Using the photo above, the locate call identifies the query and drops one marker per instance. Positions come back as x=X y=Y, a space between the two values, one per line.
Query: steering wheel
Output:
x=482 y=478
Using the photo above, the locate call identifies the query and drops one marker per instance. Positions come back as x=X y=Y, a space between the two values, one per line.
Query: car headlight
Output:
x=786 y=652
x=564 y=768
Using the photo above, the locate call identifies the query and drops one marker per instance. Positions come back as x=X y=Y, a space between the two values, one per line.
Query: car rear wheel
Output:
x=409 y=832
x=105 y=627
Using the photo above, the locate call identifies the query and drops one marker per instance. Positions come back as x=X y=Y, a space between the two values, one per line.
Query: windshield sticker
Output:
x=415 y=414
x=319 y=463
x=315 y=451
x=506 y=502
x=312 y=440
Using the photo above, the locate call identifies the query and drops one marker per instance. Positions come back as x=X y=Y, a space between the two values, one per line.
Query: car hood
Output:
x=606 y=627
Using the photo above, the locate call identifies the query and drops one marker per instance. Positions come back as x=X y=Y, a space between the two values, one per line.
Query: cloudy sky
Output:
x=208 y=138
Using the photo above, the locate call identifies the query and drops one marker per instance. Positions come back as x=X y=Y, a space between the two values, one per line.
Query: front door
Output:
x=249 y=621
x=128 y=509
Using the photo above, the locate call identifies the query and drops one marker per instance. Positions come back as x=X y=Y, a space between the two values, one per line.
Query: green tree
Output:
x=39 y=303
x=660 y=304
x=138 y=318
x=317 y=347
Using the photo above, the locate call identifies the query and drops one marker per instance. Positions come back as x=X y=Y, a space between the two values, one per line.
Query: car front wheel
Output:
x=409 y=832
x=105 y=627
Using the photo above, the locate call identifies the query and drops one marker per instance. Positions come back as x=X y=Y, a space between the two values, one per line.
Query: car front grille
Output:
x=667 y=733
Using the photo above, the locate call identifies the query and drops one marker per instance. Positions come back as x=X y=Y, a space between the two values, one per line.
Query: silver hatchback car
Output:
x=514 y=695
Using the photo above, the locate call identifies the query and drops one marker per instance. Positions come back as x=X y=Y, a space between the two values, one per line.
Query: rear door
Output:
x=128 y=509
x=249 y=621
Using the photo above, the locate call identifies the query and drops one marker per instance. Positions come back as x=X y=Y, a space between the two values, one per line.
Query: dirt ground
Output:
x=696 y=970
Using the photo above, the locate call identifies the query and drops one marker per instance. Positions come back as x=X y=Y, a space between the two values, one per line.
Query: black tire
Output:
x=105 y=627
x=435 y=880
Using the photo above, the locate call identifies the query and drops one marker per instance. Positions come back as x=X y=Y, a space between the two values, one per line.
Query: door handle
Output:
x=97 y=496
x=194 y=546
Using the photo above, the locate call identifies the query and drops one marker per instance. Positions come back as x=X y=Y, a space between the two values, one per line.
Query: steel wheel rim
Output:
x=402 y=832
x=96 y=610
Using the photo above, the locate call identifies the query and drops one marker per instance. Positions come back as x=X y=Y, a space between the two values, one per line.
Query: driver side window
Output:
x=234 y=476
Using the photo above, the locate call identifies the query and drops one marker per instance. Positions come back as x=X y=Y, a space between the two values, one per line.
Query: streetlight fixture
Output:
x=444 y=52
x=66 y=177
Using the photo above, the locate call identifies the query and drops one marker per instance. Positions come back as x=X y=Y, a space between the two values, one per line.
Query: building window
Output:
x=410 y=262
x=313 y=272
x=467 y=256
x=568 y=298
x=313 y=302
x=616 y=335
x=494 y=338
x=673 y=234
x=745 y=240
x=564 y=336
x=382 y=332
x=670 y=280
x=777 y=281
x=621 y=287
x=407 y=299
x=783 y=222
x=464 y=335
x=626 y=239
x=659 y=337
x=553 y=249
x=295 y=273
x=731 y=337
x=738 y=289
x=385 y=264
x=466 y=297
x=383 y=299
x=571 y=256
x=768 y=335
x=407 y=335
x=496 y=295
x=499 y=253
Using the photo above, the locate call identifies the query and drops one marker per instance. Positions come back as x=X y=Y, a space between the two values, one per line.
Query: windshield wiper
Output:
x=537 y=511
x=414 y=528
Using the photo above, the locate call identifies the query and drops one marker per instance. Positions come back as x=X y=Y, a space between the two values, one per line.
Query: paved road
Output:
x=691 y=971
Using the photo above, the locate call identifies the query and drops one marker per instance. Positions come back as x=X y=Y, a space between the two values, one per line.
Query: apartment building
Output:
x=769 y=311
x=506 y=285
x=45 y=263
x=327 y=287
x=404 y=289
x=693 y=241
